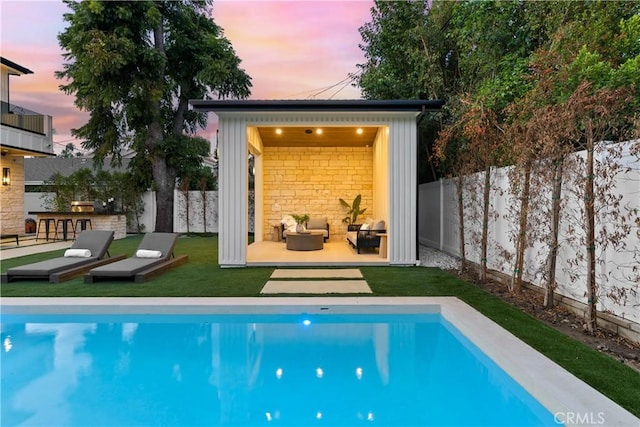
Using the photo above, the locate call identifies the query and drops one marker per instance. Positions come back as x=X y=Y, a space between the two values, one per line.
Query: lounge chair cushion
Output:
x=44 y=268
x=97 y=241
x=77 y=253
x=127 y=267
x=162 y=242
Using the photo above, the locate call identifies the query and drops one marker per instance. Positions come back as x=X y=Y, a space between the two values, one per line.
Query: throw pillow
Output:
x=291 y=228
x=77 y=253
x=317 y=224
x=146 y=253
x=378 y=226
x=288 y=221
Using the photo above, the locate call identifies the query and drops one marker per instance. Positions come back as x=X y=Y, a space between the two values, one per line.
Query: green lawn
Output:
x=202 y=277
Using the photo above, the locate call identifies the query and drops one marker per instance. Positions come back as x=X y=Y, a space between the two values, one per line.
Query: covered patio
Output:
x=306 y=155
x=334 y=254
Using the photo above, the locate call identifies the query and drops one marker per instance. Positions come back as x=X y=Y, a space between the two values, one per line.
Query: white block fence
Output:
x=438 y=228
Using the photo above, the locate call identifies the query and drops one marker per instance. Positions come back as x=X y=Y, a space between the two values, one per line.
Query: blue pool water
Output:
x=252 y=370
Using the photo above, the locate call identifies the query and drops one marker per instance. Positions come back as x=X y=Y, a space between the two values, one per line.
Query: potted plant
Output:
x=301 y=220
x=353 y=210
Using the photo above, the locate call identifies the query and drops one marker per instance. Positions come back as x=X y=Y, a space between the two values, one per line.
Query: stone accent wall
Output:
x=117 y=223
x=312 y=180
x=12 y=197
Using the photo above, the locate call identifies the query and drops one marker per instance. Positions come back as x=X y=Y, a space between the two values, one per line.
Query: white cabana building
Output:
x=308 y=154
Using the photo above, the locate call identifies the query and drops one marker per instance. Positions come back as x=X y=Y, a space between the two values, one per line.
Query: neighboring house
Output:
x=37 y=171
x=307 y=154
x=23 y=133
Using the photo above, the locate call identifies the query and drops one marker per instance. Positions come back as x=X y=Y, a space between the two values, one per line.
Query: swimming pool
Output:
x=262 y=362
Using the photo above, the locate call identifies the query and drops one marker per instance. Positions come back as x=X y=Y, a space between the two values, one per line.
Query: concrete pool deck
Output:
x=570 y=400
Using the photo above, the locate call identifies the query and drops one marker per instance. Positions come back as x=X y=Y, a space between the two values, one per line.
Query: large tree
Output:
x=134 y=66
x=521 y=64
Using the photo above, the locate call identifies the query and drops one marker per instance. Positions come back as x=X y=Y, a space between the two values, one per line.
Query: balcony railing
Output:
x=24 y=119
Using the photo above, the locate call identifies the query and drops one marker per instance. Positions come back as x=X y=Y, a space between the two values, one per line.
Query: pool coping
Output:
x=572 y=401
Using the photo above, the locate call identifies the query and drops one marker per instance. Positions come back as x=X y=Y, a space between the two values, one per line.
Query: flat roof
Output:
x=394 y=105
x=17 y=67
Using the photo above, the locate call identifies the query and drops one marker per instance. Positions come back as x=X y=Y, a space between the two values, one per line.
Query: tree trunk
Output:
x=185 y=190
x=460 y=193
x=521 y=244
x=164 y=176
x=136 y=212
x=204 y=211
x=203 y=191
x=555 y=231
x=592 y=297
x=485 y=224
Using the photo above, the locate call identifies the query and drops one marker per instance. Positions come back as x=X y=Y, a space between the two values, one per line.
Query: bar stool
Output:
x=47 y=224
x=65 y=228
x=83 y=223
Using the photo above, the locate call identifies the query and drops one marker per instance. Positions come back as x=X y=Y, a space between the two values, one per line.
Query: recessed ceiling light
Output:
x=319 y=131
x=278 y=131
x=359 y=131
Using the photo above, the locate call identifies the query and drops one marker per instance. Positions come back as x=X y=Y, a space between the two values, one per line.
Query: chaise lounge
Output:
x=87 y=252
x=153 y=257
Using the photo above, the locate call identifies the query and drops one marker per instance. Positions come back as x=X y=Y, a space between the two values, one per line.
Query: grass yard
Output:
x=202 y=277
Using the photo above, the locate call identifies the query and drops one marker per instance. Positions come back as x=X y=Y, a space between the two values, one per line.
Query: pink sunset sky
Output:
x=291 y=49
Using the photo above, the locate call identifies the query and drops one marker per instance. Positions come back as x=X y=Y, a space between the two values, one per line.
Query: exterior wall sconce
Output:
x=6 y=176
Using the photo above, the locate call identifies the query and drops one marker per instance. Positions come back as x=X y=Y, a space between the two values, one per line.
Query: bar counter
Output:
x=99 y=221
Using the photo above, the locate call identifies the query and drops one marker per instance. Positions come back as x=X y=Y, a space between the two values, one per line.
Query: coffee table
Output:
x=307 y=241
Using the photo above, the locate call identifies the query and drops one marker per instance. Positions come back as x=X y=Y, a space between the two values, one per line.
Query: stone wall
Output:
x=312 y=180
x=12 y=197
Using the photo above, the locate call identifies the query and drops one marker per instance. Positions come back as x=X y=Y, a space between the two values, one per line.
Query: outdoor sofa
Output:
x=314 y=224
x=365 y=235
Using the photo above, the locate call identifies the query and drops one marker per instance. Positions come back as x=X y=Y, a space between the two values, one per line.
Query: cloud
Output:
x=291 y=49
x=295 y=47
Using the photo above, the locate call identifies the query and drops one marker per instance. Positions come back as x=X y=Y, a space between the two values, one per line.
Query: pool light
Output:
x=359 y=373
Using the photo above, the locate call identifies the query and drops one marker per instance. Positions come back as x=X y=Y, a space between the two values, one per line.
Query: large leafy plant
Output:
x=353 y=210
